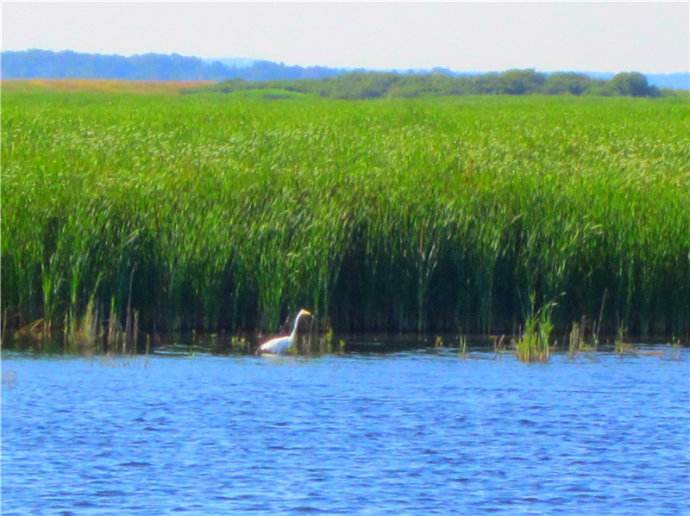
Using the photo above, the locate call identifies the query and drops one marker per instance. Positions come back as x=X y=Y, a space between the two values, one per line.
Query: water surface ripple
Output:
x=412 y=433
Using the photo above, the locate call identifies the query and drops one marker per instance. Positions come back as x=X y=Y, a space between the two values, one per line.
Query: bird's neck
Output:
x=294 y=328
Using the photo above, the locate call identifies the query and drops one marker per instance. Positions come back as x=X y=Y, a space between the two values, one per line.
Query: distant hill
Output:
x=30 y=64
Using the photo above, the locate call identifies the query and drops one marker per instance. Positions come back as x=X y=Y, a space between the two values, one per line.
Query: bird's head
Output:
x=304 y=312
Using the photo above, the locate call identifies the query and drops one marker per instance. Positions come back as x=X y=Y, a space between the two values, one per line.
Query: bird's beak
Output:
x=307 y=312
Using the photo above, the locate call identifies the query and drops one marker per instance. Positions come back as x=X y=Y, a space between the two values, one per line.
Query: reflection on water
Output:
x=420 y=431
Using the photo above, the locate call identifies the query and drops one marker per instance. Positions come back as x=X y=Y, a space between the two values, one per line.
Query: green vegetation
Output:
x=160 y=212
x=367 y=85
x=534 y=344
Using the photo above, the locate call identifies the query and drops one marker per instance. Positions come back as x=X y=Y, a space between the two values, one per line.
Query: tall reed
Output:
x=436 y=215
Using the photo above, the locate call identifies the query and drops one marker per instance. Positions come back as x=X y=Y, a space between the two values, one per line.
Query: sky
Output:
x=651 y=37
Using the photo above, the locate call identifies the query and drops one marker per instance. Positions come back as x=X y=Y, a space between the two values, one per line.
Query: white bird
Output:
x=280 y=345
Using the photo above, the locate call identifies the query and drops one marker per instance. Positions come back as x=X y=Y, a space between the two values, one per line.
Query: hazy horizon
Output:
x=353 y=68
x=464 y=37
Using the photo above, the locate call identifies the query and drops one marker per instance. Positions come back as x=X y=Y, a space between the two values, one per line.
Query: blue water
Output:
x=408 y=433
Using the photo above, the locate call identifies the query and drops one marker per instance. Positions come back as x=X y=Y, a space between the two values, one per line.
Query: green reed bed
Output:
x=211 y=212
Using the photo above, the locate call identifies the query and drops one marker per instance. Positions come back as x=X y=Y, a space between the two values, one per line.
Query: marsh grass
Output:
x=534 y=344
x=577 y=341
x=621 y=345
x=126 y=214
x=108 y=86
x=462 y=347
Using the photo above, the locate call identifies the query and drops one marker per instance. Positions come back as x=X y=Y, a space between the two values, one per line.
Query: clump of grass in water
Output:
x=534 y=344
x=239 y=343
x=620 y=345
x=499 y=345
x=577 y=342
x=676 y=346
x=462 y=347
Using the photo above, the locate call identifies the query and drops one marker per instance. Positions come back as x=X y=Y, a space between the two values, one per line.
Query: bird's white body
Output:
x=281 y=345
x=277 y=345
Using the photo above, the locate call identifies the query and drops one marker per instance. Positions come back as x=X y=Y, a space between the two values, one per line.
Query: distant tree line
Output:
x=323 y=81
x=369 y=85
x=64 y=65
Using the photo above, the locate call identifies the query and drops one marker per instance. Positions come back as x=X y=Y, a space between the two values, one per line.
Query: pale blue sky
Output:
x=593 y=36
